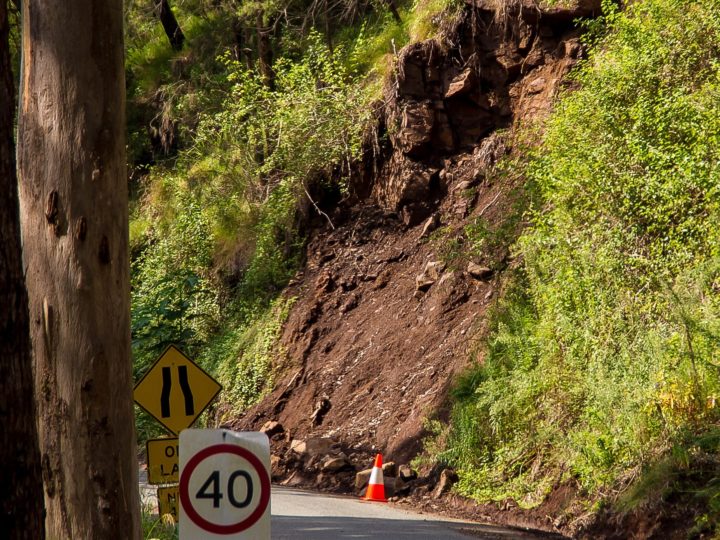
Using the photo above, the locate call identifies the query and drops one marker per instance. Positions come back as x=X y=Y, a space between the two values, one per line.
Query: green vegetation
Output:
x=602 y=364
x=231 y=155
x=158 y=528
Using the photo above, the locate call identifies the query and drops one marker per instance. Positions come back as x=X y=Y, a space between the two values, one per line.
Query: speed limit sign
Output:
x=224 y=485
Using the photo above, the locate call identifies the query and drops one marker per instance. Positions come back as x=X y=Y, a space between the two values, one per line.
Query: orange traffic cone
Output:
x=376 y=486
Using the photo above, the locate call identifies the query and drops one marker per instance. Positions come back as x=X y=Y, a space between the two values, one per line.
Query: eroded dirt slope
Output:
x=387 y=312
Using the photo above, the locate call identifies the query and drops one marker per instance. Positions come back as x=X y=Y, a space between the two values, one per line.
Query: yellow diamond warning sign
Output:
x=175 y=390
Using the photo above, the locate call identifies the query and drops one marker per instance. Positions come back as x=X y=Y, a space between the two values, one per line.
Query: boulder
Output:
x=362 y=478
x=389 y=468
x=316 y=446
x=349 y=304
x=322 y=406
x=271 y=428
x=324 y=282
x=536 y=85
x=406 y=473
x=448 y=477
x=389 y=483
x=334 y=463
x=430 y=225
x=434 y=269
x=479 y=272
x=431 y=273
x=423 y=282
x=298 y=446
x=462 y=84
x=402 y=487
x=276 y=467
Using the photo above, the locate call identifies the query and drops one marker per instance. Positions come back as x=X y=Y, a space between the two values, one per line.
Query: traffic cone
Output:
x=376 y=486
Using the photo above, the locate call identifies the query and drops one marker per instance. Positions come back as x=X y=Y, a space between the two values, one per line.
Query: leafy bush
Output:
x=232 y=200
x=246 y=357
x=604 y=351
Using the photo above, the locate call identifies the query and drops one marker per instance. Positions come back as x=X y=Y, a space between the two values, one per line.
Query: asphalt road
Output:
x=304 y=515
x=301 y=515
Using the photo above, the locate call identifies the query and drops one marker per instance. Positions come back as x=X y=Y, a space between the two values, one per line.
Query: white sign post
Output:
x=224 y=485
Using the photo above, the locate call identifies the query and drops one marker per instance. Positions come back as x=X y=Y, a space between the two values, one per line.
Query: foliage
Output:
x=244 y=356
x=215 y=232
x=158 y=528
x=603 y=357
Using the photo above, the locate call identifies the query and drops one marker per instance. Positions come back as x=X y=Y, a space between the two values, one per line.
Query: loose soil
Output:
x=392 y=302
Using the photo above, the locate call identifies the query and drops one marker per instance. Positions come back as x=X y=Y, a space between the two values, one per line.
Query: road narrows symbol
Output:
x=187 y=393
x=165 y=394
x=184 y=386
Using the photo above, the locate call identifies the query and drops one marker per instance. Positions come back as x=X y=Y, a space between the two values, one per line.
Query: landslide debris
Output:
x=390 y=301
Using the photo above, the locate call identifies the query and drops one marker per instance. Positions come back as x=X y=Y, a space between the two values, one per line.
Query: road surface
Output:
x=301 y=515
x=304 y=515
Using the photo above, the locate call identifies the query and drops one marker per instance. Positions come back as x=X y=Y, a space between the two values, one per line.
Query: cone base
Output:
x=375 y=492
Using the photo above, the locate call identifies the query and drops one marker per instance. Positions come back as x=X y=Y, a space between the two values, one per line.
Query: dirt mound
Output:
x=386 y=312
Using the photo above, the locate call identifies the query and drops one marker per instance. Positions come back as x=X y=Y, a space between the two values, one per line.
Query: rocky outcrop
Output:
x=389 y=299
x=536 y=10
x=505 y=67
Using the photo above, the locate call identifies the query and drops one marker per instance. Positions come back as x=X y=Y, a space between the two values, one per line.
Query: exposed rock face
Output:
x=506 y=65
x=534 y=10
x=371 y=350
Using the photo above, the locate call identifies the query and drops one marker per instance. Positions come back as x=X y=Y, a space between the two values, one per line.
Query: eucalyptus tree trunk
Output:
x=265 y=52
x=172 y=29
x=21 y=493
x=74 y=214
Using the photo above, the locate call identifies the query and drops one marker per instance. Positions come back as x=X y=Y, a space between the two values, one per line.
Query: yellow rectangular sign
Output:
x=169 y=501
x=162 y=458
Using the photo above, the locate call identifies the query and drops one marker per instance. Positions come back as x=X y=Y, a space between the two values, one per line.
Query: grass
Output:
x=158 y=528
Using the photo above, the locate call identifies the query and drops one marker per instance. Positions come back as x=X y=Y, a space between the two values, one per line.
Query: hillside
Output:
x=396 y=287
x=477 y=237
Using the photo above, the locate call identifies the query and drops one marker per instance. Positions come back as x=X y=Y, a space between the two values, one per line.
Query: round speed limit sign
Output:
x=224 y=484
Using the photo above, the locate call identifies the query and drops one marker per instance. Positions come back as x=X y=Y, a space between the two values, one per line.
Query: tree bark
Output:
x=243 y=43
x=265 y=52
x=74 y=215
x=21 y=493
x=170 y=25
x=393 y=9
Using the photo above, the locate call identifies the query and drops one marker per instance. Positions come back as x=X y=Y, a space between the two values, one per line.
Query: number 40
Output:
x=211 y=489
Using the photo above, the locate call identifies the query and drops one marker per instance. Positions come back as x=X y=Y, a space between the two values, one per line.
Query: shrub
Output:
x=604 y=352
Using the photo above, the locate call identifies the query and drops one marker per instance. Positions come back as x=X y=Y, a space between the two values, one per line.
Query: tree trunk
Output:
x=243 y=42
x=21 y=493
x=265 y=53
x=393 y=9
x=170 y=25
x=74 y=214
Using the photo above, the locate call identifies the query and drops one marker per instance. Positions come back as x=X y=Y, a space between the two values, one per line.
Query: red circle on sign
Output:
x=193 y=514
